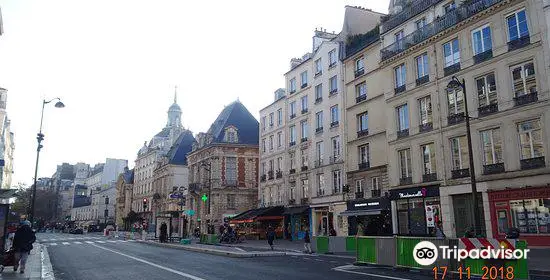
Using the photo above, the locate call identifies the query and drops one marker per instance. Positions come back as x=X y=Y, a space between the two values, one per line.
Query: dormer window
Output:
x=231 y=135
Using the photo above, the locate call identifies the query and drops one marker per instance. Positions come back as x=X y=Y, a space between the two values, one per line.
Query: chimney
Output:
x=295 y=62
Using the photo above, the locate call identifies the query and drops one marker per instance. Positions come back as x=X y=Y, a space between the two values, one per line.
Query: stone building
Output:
x=223 y=168
x=124 y=186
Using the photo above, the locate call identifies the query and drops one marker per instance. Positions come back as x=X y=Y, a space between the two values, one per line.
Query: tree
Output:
x=44 y=207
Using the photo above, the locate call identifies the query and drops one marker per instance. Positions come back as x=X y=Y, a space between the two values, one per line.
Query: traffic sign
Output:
x=204 y=197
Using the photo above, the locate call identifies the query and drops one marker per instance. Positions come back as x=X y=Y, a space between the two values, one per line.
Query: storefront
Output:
x=527 y=209
x=253 y=224
x=373 y=214
x=418 y=210
x=296 y=222
x=322 y=221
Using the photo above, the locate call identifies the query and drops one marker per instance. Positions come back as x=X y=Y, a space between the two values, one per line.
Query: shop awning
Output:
x=265 y=213
x=7 y=193
x=361 y=213
x=295 y=210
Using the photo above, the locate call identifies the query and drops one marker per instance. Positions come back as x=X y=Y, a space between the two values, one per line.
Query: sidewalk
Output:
x=33 y=268
x=281 y=245
x=215 y=249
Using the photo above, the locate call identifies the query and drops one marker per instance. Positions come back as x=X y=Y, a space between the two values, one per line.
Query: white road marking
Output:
x=111 y=241
x=152 y=264
x=343 y=269
x=66 y=243
x=100 y=241
x=89 y=242
x=51 y=244
x=77 y=242
x=307 y=259
x=122 y=241
x=319 y=260
x=237 y=248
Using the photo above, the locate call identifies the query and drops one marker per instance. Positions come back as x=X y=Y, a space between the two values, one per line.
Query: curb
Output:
x=215 y=252
x=47 y=270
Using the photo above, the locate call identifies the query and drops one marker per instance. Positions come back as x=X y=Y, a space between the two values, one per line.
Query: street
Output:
x=96 y=257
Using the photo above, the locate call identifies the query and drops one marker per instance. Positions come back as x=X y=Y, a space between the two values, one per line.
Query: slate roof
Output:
x=236 y=114
x=128 y=176
x=165 y=132
x=183 y=145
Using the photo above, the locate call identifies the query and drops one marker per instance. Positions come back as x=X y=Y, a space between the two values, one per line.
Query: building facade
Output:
x=7 y=145
x=124 y=186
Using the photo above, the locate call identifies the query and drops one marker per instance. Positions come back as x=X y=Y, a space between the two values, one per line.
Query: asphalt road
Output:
x=85 y=257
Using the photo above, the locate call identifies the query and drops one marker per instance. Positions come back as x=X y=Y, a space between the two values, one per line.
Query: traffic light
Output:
x=144 y=204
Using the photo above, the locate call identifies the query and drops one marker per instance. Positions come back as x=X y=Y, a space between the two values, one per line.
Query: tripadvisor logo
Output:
x=426 y=253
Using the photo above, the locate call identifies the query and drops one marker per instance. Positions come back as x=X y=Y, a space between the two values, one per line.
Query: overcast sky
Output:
x=115 y=63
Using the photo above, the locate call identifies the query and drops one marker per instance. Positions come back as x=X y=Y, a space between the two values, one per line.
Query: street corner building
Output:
x=223 y=169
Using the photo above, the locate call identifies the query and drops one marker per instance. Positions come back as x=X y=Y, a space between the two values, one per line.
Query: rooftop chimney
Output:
x=295 y=62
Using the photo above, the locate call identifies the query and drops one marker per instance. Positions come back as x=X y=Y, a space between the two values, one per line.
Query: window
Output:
x=334 y=116
x=279 y=139
x=263 y=145
x=400 y=76
x=304 y=103
x=420 y=23
x=303 y=77
x=292 y=85
x=106 y=200
x=332 y=57
x=333 y=84
x=451 y=52
x=428 y=158
x=363 y=122
x=292 y=191
x=292 y=131
x=422 y=68
x=263 y=168
x=231 y=170
x=336 y=147
x=279 y=163
x=517 y=25
x=292 y=108
x=318 y=67
x=456 y=101
x=271 y=119
x=304 y=157
x=481 y=39
x=361 y=90
x=337 y=181
x=399 y=39
x=305 y=188
x=524 y=79
x=271 y=142
x=492 y=146
x=231 y=135
x=375 y=183
x=321 y=184
x=303 y=126
x=530 y=139
x=319 y=152
x=359 y=185
x=425 y=105
x=318 y=92
x=402 y=117
x=292 y=160
x=459 y=153
x=270 y=166
x=449 y=7
x=279 y=117
x=363 y=153
x=359 y=64
x=405 y=163
x=319 y=120
x=263 y=123
x=486 y=90
x=231 y=201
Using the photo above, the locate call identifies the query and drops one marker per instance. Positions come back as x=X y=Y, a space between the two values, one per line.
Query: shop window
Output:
x=502 y=218
x=531 y=215
x=418 y=216
x=462 y=205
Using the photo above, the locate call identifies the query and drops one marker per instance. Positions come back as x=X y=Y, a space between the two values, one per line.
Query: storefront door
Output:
x=462 y=205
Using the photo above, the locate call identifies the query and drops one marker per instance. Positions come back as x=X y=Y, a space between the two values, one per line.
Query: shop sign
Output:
x=414 y=192
x=520 y=194
x=369 y=204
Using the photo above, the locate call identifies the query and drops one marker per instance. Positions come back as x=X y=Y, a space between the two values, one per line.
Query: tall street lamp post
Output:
x=40 y=138
x=455 y=84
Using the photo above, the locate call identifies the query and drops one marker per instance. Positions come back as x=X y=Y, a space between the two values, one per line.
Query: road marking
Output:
x=77 y=242
x=111 y=241
x=319 y=260
x=66 y=243
x=52 y=244
x=100 y=241
x=237 y=248
x=89 y=242
x=122 y=241
x=307 y=259
x=333 y=261
x=152 y=264
x=343 y=269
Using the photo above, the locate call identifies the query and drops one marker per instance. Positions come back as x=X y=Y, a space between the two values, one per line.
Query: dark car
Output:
x=76 y=231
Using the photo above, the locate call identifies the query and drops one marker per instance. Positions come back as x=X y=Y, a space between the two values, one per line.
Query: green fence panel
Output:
x=351 y=244
x=404 y=254
x=366 y=250
x=213 y=239
x=521 y=270
x=322 y=244
x=475 y=265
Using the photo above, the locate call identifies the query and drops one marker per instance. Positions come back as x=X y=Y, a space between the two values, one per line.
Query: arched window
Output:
x=231 y=135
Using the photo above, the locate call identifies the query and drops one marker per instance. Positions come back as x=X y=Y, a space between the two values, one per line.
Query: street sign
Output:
x=204 y=197
x=175 y=195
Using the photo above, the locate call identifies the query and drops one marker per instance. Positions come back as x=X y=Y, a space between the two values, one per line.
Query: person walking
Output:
x=307 y=242
x=270 y=236
x=163 y=232
x=22 y=244
x=439 y=234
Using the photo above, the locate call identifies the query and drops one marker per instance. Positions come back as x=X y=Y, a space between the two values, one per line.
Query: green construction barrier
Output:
x=351 y=243
x=212 y=239
x=404 y=254
x=322 y=244
x=202 y=238
x=366 y=250
x=521 y=270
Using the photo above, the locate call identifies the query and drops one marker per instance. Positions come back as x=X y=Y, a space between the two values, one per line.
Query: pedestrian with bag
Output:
x=307 y=242
x=22 y=244
x=163 y=232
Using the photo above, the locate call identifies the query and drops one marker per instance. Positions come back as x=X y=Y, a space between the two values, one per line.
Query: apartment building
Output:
x=499 y=49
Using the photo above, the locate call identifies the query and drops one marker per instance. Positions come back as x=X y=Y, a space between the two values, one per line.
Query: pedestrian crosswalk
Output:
x=70 y=238
x=87 y=242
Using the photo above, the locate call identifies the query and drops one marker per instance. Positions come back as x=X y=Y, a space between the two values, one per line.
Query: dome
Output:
x=174 y=107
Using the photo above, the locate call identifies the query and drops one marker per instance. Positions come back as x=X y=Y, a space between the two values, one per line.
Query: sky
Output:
x=115 y=63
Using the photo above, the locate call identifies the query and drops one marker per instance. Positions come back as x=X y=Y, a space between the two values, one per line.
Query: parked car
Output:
x=76 y=231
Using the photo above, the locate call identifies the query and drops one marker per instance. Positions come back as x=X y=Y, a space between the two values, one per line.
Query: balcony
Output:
x=362 y=133
x=409 y=11
x=304 y=168
x=291 y=201
x=292 y=116
x=359 y=195
x=293 y=143
x=493 y=168
x=456 y=118
x=422 y=80
x=360 y=98
x=262 y=178
x=303 y=140
x=400 y=89
x=364 y=165
x=304 y=111
x=488 y=109
x=402 y=133
x=292 y=91
x=376 y=193
x=334 y=124
x=318 y=74
x=519 y=43
x=460 y=173
x=526 y=99
x=426 y=127
x=480 y=57
x=335 y=159
x=318 y=163
x=449 y=20
x=359 y=72
x=430 y=177
x=449 y=70
x=532 y=163
x=333 y=91
x=304 y=85
x=279 y=174
x=332 y=64
x=319 y=130
x=270 y=174
x=318 y=100
x=292 y=171
x=304 y=201
x=405 y=181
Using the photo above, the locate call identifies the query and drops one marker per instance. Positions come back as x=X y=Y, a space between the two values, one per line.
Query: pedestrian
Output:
x=332 y=232
x=22 y=244
x=270 y=234
x=439 y=234
x=360 y=230
x=307 y=242
x=163 y=232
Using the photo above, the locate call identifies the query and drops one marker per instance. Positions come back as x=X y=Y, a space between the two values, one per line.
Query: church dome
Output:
x=174 y=108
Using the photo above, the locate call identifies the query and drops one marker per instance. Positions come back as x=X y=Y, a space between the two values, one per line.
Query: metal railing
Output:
x=408 y=12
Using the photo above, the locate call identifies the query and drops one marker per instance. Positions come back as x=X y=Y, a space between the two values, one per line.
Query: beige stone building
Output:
x=499 y=48
x=123 y=206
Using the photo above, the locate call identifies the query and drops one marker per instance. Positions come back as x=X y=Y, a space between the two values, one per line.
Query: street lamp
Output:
x=40 y=138
x=207 y=167
x=455 y=84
